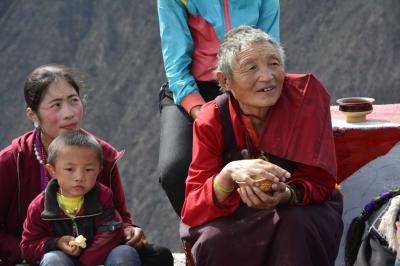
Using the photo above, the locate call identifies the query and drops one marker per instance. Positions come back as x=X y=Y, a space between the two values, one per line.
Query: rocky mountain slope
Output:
x=352 y=46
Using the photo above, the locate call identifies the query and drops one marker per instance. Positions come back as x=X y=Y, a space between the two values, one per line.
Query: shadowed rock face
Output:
x=351 y=46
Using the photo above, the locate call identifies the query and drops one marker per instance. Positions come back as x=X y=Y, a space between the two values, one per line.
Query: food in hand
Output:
x=264 y=184
x=79 y=241
x=145 y=242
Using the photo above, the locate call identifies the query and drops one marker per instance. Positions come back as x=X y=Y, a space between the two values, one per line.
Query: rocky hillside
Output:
x=352 y=46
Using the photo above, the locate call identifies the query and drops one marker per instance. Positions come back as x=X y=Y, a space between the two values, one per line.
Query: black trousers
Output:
x=151 y=255
x=176 y=135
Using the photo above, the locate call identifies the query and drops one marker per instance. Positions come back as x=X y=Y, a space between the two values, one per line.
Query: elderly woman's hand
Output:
x=256 y=198
x=250 y=170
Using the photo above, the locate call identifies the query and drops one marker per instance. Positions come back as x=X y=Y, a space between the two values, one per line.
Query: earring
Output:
x=36 y=125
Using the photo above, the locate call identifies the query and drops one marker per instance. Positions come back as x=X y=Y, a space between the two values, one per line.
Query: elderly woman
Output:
x=54 y=105
x=281 y=124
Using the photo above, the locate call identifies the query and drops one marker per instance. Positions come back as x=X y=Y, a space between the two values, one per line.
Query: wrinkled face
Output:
x=76 y=169
x=61 y=110
x=257 y=78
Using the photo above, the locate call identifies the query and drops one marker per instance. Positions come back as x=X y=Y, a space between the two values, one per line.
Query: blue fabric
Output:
x=123 y=255
x=176 y=39
x=58 y=258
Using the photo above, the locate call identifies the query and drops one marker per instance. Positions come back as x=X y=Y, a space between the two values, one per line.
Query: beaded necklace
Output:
x=42 y=159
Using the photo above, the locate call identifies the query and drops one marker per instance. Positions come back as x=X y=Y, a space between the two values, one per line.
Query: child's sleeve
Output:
x=108 y=234
x=37 y=238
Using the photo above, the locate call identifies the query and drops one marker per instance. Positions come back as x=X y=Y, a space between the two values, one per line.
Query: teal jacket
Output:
x=191 y=31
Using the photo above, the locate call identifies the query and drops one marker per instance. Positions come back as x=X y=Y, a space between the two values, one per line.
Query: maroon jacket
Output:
x=20 y=184
x=97 y=221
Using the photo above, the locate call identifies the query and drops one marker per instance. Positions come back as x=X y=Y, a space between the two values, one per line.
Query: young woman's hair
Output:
x=73 y=138
x=357 y=226
x=42 y=77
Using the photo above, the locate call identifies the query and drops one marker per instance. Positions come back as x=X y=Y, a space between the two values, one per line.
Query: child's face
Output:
x=76 y=169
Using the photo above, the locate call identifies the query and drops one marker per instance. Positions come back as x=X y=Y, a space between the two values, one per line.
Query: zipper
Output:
x=19 y=204
x=113 y=166
x=75 y=227
x=226 y=15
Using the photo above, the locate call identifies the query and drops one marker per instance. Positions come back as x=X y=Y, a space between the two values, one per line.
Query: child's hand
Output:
x=134 y=236
x=63 y=244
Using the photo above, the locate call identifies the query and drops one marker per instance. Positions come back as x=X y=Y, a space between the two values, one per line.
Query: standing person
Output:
x=74 y=206
x=54 y=106
x=281 y=127
x=191 y=32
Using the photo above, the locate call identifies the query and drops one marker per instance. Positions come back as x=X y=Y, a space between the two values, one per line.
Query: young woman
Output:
x=54 y=106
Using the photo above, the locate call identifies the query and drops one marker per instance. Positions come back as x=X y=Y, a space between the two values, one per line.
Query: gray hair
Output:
x=73 y=138
x=238 y=38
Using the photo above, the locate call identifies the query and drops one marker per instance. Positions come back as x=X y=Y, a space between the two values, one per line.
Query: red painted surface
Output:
x=356 y=144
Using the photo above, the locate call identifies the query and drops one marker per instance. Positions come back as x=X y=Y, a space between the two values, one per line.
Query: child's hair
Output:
x=357 y=226
x=73 y=138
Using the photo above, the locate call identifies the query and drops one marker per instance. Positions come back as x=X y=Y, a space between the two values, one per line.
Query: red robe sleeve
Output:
x=316 y=183
x=199 y=206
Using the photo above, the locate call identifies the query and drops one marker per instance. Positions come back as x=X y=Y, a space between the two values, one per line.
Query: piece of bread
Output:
x=79 y=241
x=145 y=242
x=264 y=184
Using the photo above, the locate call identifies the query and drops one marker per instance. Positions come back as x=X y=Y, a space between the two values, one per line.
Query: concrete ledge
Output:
x=179 y=259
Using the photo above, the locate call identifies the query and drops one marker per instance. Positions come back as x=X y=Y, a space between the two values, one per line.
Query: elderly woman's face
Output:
x=257 y=78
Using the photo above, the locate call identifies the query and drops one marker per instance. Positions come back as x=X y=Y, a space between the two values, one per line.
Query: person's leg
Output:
x=176 y=135
x=175 y=151
x=56 y=257
x=312 y=233
x=152 y=255
x=242 y=238
x=123 y=255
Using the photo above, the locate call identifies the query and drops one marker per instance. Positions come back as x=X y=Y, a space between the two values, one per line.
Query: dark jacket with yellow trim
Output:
x=97 y=221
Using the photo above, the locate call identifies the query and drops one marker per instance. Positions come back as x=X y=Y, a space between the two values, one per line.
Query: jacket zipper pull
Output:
x=75 y=228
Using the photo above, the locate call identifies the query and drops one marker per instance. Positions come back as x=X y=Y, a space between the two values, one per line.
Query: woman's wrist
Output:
x=222 y=189
x=293 y=198
x=223 y=184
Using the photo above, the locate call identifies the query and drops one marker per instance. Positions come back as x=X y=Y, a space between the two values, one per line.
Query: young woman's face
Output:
x=76 y=170
x=61 y=110
x=257 y=78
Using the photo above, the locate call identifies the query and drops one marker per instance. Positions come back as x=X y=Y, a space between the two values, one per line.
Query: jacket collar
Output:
x=91 y=204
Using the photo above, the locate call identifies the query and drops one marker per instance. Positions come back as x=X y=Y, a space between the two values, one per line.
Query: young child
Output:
x=73 y=205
